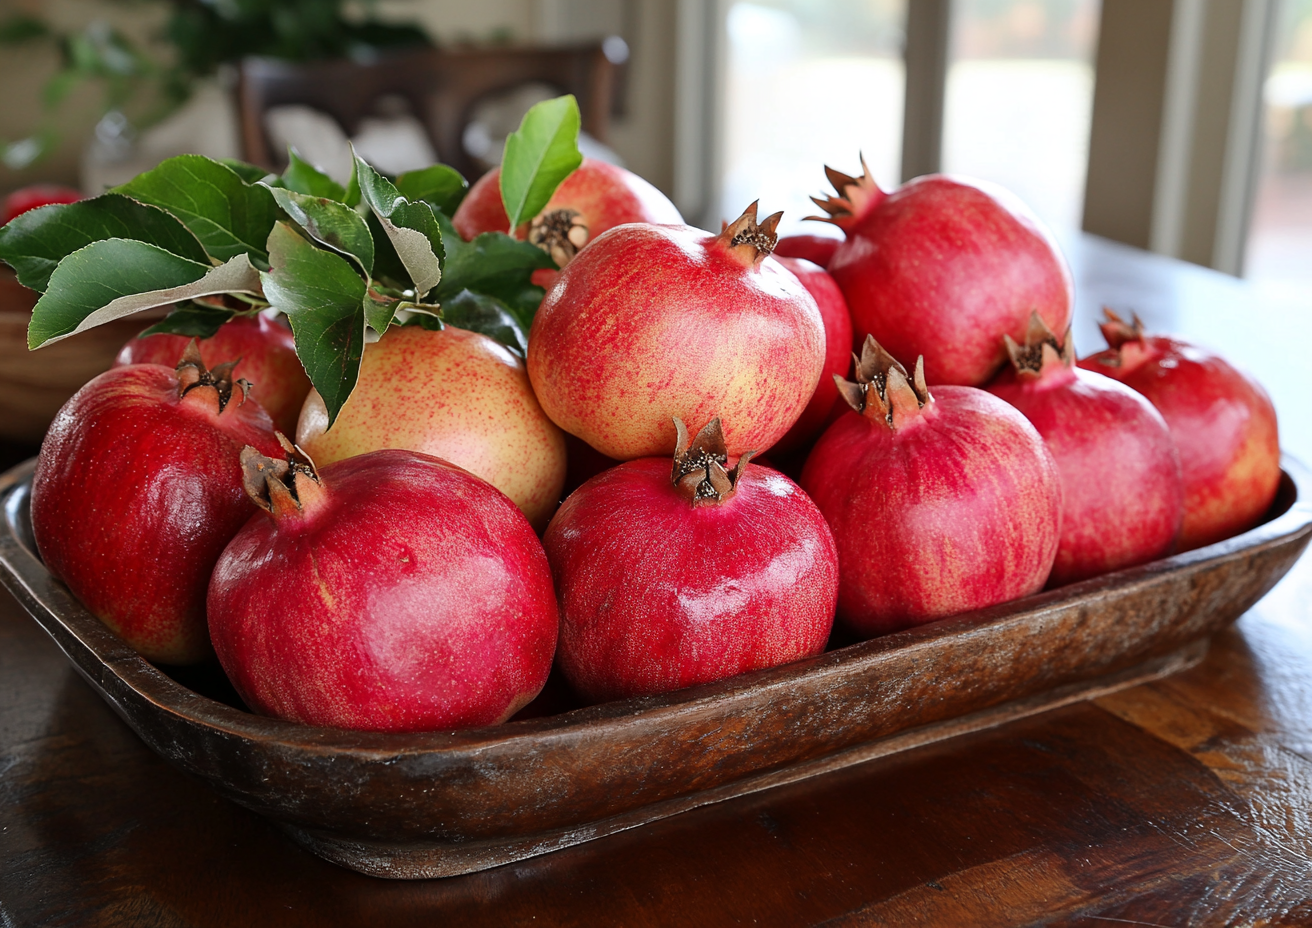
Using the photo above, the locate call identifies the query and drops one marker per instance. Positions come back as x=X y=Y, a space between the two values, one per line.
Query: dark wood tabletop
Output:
x=1186 y=801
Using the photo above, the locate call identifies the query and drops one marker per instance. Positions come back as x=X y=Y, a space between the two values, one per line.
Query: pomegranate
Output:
x=667 y=580
x=944 y=267
x=838 y=344
x=593 y=199
x=454 y=394
x=266 y=356
x=1122 y=494
x=137 y=490
x=34 y=196
x=818 y=249
x=651 y=322
x=1221 y=419
x=391 y=592
x=939 y=504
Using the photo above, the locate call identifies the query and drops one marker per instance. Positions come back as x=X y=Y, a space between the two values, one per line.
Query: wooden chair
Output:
x=442 y=87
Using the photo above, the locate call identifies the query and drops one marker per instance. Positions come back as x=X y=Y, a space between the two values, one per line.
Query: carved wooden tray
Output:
x=443 y=803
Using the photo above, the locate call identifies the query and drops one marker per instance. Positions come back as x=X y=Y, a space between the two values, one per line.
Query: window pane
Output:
x=1280 y=241
x=809 y=83
x=1019 y=98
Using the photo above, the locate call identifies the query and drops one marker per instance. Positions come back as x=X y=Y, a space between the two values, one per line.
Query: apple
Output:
x=456 y=395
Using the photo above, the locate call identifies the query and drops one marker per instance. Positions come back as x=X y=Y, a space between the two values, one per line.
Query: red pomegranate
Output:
x=651 y=322
x=944 y=267
x=390 y=592
x=34 y=197
x=266 y=358
x=1221 y=419
x=1122 y=494
x=593 y=199
x=138 y=487
x=838 y=345
x=818 y=249
x=939 y=504
x=667 y=580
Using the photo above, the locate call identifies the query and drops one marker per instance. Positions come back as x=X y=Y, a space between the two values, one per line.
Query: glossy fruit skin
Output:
x=137 y=490
x=456 y=395
x=957 y=510
x=268 y=361
x=656 y=594
x=35 y=196
x=1122 y=492
x=412 y=597
x=1223 y=425
x=650 y=322
x=838 y=348
x=604 y=194
x=944 y=267
x=818 y=249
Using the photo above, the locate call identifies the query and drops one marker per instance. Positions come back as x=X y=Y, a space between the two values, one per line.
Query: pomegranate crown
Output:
x=748 y=241
x=883 y=389
x=1118 y=332
x=853 y=197
x=280 y=487
x=193 y=375
x=700 y=471
x=1041 y=352
x=560 y=233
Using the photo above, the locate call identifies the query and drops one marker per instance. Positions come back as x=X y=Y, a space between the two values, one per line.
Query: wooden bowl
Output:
x=444 y=803
x=35 y=384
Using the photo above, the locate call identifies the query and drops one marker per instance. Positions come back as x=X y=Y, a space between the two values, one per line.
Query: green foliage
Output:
x=330 y=223
x=323 y=298
x=410 y=227
x=495 y=265
x=195 y=320
x=542 y=152
x=487 y=315
x=36 y=241
x=439 y=186
x=304 y=177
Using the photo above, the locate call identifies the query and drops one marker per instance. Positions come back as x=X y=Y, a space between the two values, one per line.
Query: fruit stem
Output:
x=699 y=473
x=748 y=241
x=883 y=389
x=281 y=488
x=209 y=387
x=853 y=197
x=1042 y=356
x=560 y=233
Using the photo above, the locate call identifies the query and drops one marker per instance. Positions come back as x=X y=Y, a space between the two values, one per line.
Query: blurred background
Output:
x=1179 y=126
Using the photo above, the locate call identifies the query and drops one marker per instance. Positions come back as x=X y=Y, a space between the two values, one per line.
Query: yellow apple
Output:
x=456 y=395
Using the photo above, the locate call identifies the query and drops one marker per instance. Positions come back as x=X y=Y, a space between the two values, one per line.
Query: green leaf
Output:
x=496 y=265
x=116 y=277
x=34 y=243
x=331 y=223
x=248 y=172
x=191 y=319
x=479 y=312
x=304 y=177
x=21 y=28
x=410 y=227
x=323 y=298
x=228 y=215
x=378 y=314
x=440 y=186
x=539 y=155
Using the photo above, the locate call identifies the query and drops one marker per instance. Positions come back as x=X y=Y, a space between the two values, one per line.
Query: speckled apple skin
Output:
x=1122 y=493
x=958 y=509
x=136 y=492
x=456 y=395
x=838 y=353
x=1222 y=422
x=944 y=267
x=605 y=195
x=650 y=322
x=412 y=597
x=656 y=594
x=268 y=361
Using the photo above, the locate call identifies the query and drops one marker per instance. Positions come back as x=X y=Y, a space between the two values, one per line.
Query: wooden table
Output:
x=1187 y=801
